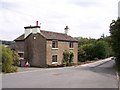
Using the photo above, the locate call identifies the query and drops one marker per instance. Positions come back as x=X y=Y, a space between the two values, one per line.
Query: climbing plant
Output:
x=68 y=57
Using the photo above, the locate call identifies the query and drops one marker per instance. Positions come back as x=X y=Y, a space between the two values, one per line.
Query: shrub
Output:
x=89 y=50
x=71 y=57
x=16 y=60
x=68 y=57
x=81 y=54
x=100 y=49
x=7 y=60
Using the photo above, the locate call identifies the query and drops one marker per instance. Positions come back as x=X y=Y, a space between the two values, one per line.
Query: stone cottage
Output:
x=42 y=48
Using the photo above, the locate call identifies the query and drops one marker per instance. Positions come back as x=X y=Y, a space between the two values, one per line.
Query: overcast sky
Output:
x=85 y=18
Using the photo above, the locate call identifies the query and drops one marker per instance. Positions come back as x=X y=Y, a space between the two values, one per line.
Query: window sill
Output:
x=21 y=58
x=55 y=48
x=71 y=48
x=20 y=52
x=54 y=62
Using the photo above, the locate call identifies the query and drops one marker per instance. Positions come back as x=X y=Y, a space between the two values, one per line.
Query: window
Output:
x=71 y=44
x=21 y=55
x=54 y=44
x=54 y=58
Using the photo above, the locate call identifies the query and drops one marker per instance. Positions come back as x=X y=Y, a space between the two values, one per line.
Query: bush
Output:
x=68 y=57
x=99 y=49
x=71 y=57
x=89 y=50
x=16 y=60
x=81 y=54
x=7 y=60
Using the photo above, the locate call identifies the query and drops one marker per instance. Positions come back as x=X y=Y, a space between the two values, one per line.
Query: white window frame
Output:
x=20 y=52
x=56 y=46
x=52 y=59
x=71 y=43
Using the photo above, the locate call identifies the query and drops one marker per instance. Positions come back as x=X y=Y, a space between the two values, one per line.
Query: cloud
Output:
x=86 y=3
x=5 y=4
x=87 y=18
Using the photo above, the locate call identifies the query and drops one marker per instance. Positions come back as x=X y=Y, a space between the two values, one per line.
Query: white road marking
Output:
x=96 y=63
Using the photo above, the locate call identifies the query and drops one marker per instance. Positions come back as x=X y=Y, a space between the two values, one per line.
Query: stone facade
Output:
x=62 y=46
x=19 y=46
x=35 y=50
x=38 y=50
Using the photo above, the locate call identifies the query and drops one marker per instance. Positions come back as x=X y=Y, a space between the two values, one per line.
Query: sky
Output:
x=85 y=18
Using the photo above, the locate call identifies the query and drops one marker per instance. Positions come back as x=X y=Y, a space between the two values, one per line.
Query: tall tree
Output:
x=115 y=39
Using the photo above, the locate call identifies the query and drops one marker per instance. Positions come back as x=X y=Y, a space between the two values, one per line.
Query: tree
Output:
x=101 y=49
x=83 y=41
x=106 y=39
x=115 y=39
x=89 y=50
x=81 y=54
x=98 y=49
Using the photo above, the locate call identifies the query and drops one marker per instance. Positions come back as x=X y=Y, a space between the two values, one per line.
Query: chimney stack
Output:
x=66 y=29
x=32 y=29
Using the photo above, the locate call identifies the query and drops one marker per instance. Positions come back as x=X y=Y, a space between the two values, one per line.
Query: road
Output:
x=97 y=76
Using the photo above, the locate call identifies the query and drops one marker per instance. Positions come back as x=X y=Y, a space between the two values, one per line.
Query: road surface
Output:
x=95 y=75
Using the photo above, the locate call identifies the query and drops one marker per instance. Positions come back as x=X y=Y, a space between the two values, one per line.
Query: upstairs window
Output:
x=71 y=45
x=54 y=44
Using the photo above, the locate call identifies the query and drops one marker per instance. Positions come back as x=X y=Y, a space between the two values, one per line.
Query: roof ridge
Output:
x=54 y=32
x=50 y=35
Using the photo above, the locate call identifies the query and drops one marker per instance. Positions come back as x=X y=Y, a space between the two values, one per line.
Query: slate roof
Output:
x=51 y=36
x=20 y=38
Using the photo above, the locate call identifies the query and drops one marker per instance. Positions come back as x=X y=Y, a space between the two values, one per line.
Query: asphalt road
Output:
x=100 y=76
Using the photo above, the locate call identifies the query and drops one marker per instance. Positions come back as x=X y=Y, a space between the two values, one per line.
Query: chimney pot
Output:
x=66 y=29
x=36 y=23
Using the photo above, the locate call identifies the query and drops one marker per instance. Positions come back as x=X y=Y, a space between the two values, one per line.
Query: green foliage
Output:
x=16 y=59
x=115 y=39
x=101 y=49
x=81 y=54
x=82 y=41
x=71 y=56
x=68 y=57
x=94 y=49
x=88 y=52
x=106 y=39
x=7 y=60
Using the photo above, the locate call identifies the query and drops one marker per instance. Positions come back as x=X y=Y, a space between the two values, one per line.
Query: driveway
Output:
x=100 y=75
